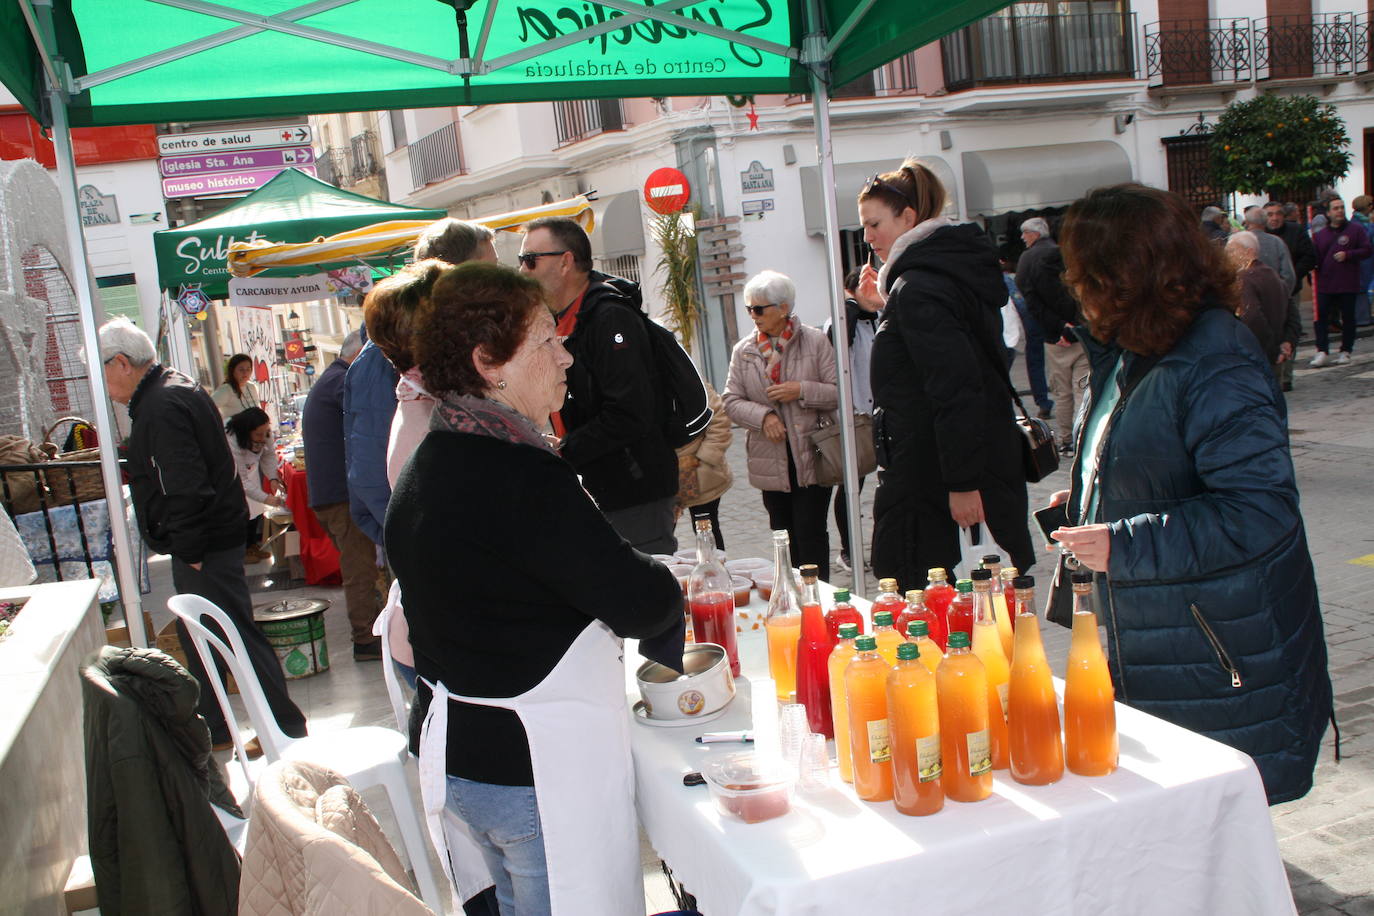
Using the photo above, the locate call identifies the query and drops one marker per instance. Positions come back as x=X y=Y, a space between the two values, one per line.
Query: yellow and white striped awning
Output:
x=249 y=258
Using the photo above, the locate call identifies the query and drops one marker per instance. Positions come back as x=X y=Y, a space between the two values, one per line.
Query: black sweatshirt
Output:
x=503 y=561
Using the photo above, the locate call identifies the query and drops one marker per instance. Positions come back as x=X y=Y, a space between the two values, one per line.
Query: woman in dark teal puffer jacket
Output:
x=1183 y=495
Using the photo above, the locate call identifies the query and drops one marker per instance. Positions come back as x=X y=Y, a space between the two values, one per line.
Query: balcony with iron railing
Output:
x=365 y=153
x=436 y=156
x=580 y=119
x=1206 y=52
x=1014 y=47
x=334 y=168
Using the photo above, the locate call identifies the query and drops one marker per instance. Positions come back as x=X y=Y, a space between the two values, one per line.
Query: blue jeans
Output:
x=1035 y=357
x=504 y=821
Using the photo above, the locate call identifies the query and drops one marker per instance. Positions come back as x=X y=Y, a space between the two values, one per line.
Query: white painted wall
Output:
x=125 y=248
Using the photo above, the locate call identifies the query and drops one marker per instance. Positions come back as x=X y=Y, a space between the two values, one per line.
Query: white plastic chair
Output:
x=366 y=756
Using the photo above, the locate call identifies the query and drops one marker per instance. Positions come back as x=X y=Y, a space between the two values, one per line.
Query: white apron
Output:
x=578 y=733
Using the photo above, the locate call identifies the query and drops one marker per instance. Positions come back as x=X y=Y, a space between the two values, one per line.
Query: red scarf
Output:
x=772 y=347
x=567 y=322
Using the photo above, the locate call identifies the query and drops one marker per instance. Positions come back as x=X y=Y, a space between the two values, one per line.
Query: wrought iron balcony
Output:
x=1014 y=47
x=578 y=120
x=333 y=167
x=365 y=155
x=436 y=156
x=1185 y=52
x=1314 y=45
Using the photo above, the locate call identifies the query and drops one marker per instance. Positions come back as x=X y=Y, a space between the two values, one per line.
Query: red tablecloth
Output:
x=318 y=554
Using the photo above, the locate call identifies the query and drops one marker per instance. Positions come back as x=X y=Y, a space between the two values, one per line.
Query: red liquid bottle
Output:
x=813 y=657
x=939 y=595
x=916 y=609
x=843 y=612
x=888 y=599
x=711 y=597
x=961 y=608
x=1009 y=574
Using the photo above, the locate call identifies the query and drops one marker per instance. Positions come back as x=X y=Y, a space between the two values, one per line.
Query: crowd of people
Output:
x=496 y=439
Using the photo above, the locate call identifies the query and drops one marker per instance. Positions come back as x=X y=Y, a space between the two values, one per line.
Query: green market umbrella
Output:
x=98 y=62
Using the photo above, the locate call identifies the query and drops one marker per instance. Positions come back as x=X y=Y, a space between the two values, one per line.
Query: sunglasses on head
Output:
x=758 y=310
x=530 y=258
x=876 y=183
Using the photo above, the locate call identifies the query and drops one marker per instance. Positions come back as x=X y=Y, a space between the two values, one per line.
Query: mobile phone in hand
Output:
x=1052 y=518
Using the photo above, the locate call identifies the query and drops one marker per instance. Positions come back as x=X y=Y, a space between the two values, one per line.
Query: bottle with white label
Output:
x=870 y=746
x=987 y=645
x=962 y=693
x=914 y=725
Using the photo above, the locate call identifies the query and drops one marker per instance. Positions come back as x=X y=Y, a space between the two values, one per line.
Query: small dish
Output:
x=643 y=718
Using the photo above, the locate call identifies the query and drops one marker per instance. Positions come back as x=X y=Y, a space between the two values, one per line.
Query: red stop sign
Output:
x=667 y=191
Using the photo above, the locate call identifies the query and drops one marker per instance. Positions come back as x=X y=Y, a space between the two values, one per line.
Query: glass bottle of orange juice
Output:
x=839 y=659
x=918 y=632
x=961 y=690
x=1003 y=614
x=865 y=687
x=1091 y=746
x=987 y=645
x=1037 y=753
x=887 y=636
x=914 y=719
x=783 y=623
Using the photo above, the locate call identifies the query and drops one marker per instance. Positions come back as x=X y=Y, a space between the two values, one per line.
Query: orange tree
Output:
x=1282 y=146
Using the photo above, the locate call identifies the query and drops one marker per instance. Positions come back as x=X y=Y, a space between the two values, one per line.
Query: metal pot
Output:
x=705 y=686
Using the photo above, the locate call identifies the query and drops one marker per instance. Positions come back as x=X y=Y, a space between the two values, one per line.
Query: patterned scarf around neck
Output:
x=458 y=413
x=772 y=347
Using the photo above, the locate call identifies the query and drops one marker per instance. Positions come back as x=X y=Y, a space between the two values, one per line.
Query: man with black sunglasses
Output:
x=611 y=424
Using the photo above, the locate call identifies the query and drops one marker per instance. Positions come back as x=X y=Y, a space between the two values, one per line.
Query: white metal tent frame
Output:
x=815 y=54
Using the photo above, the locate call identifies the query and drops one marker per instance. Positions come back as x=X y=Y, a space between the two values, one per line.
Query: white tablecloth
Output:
x=1182 y=827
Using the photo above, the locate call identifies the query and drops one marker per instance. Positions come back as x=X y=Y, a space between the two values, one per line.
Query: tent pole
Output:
x=124 y=558
x=825 y=159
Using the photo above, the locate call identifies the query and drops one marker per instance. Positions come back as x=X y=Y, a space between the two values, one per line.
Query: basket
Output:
x=84 y=484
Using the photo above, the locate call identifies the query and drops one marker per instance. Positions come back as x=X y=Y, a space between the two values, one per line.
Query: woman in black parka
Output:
x=1182 y=495
x=949 y=449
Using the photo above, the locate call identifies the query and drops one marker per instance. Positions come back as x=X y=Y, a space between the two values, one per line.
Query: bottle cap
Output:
x=849 y=630
x=992 y=559
x=1010 y=572
x=963 y=586
x=865 y=643
x=841 y=594
x=882 y=619
x=887 y=585
x=702 y=524
x=915 y=596
x=810 y=572
x=916 y=629
x=907 y=651
x=978 y=575
x=937 y=574
x=1023 y=582
x=958 y=640
x=1081 y=575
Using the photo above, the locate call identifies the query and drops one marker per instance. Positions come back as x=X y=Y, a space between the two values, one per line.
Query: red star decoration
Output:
x=753 y=117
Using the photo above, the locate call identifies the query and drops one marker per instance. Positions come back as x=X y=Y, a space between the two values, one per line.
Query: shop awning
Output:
x=620 y=230
x=1001 y=180
x=850 y=178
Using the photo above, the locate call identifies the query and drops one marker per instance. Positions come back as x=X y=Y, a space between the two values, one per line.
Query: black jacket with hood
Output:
x=943 y=415
x=613 y=413
x=184 y=485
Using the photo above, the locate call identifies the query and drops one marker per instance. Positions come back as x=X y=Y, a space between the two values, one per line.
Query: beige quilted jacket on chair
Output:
x=314 y=849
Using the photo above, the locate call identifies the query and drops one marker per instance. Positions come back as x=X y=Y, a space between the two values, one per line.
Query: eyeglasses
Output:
x=758 y=310
x=530 y=258
x=876 y=183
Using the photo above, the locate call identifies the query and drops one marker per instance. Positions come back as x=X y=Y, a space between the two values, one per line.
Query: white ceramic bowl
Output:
x=705 y=686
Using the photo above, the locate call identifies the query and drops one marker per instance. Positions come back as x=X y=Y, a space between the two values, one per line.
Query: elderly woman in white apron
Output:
x=518 y=593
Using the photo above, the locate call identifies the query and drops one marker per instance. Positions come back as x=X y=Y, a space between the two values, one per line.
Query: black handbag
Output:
x=1039 y=455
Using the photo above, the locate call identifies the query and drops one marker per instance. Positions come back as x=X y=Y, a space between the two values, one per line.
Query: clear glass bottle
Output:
x=710 y=596
x=1091 y=744
x=813 y=655
x=783 y=624
x=987 y=645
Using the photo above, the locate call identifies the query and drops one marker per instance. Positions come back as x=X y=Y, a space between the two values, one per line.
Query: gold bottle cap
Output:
x=938 y=573
x=887 y=585
x=1010 y=572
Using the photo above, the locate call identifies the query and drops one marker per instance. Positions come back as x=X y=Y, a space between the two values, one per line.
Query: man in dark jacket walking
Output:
x=612 y=423
x=1304 y=259
x=1053 y=308
x=322 y=428
x=190 y=504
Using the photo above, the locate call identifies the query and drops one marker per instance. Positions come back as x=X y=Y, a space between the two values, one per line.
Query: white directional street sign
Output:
x=254 y=138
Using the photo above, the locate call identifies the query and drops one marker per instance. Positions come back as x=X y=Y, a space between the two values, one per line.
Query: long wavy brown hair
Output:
x=1138 y=261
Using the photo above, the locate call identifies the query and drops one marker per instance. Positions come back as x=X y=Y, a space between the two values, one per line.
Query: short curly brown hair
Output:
x=474 y=305
x=1140 y=266
x=389 y=309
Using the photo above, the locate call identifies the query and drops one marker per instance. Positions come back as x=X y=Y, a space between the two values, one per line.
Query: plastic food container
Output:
x=683 y=574
x=748 y=567
x=765 y=584
x=749 y=787
x=742 y=587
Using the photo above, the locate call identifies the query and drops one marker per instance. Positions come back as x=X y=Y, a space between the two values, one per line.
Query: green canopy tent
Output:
x=95 y=62
x=292 y=207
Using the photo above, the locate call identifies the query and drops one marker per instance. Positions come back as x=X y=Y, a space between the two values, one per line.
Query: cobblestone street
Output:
x=1326 y=838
